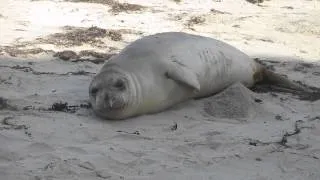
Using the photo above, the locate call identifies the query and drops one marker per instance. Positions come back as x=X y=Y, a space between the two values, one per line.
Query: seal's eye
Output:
x=94 y=91
x=119 y=85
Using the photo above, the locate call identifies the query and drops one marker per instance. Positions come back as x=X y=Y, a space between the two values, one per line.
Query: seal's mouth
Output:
x=115 y=108
x=109 y=113
x=106 y=106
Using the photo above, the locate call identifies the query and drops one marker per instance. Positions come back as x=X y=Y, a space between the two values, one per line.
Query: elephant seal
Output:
x=159 y=71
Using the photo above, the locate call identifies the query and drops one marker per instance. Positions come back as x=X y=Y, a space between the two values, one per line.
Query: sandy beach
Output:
x=50 y=50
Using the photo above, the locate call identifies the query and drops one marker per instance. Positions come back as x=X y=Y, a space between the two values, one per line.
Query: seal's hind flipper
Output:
x=281 y=81
x=182 y=74
x=264 y=76
x=270 y=81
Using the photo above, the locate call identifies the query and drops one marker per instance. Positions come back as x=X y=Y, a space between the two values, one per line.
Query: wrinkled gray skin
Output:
x=158 y=71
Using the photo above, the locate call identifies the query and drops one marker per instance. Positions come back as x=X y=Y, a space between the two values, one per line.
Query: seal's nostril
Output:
x=106 y=98
x=94 y=91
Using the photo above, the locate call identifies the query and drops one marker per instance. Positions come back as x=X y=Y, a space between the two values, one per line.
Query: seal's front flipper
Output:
x=182 y=74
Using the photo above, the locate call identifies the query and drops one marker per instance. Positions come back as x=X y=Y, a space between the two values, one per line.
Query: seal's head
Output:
x=110 y=94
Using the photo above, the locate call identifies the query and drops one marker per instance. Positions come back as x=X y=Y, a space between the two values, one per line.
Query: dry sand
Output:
x=237 y=134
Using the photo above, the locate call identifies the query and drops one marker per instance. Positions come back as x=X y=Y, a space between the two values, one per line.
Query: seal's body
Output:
x=158 y=71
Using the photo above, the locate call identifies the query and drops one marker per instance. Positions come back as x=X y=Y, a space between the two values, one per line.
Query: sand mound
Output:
x=235 y=102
